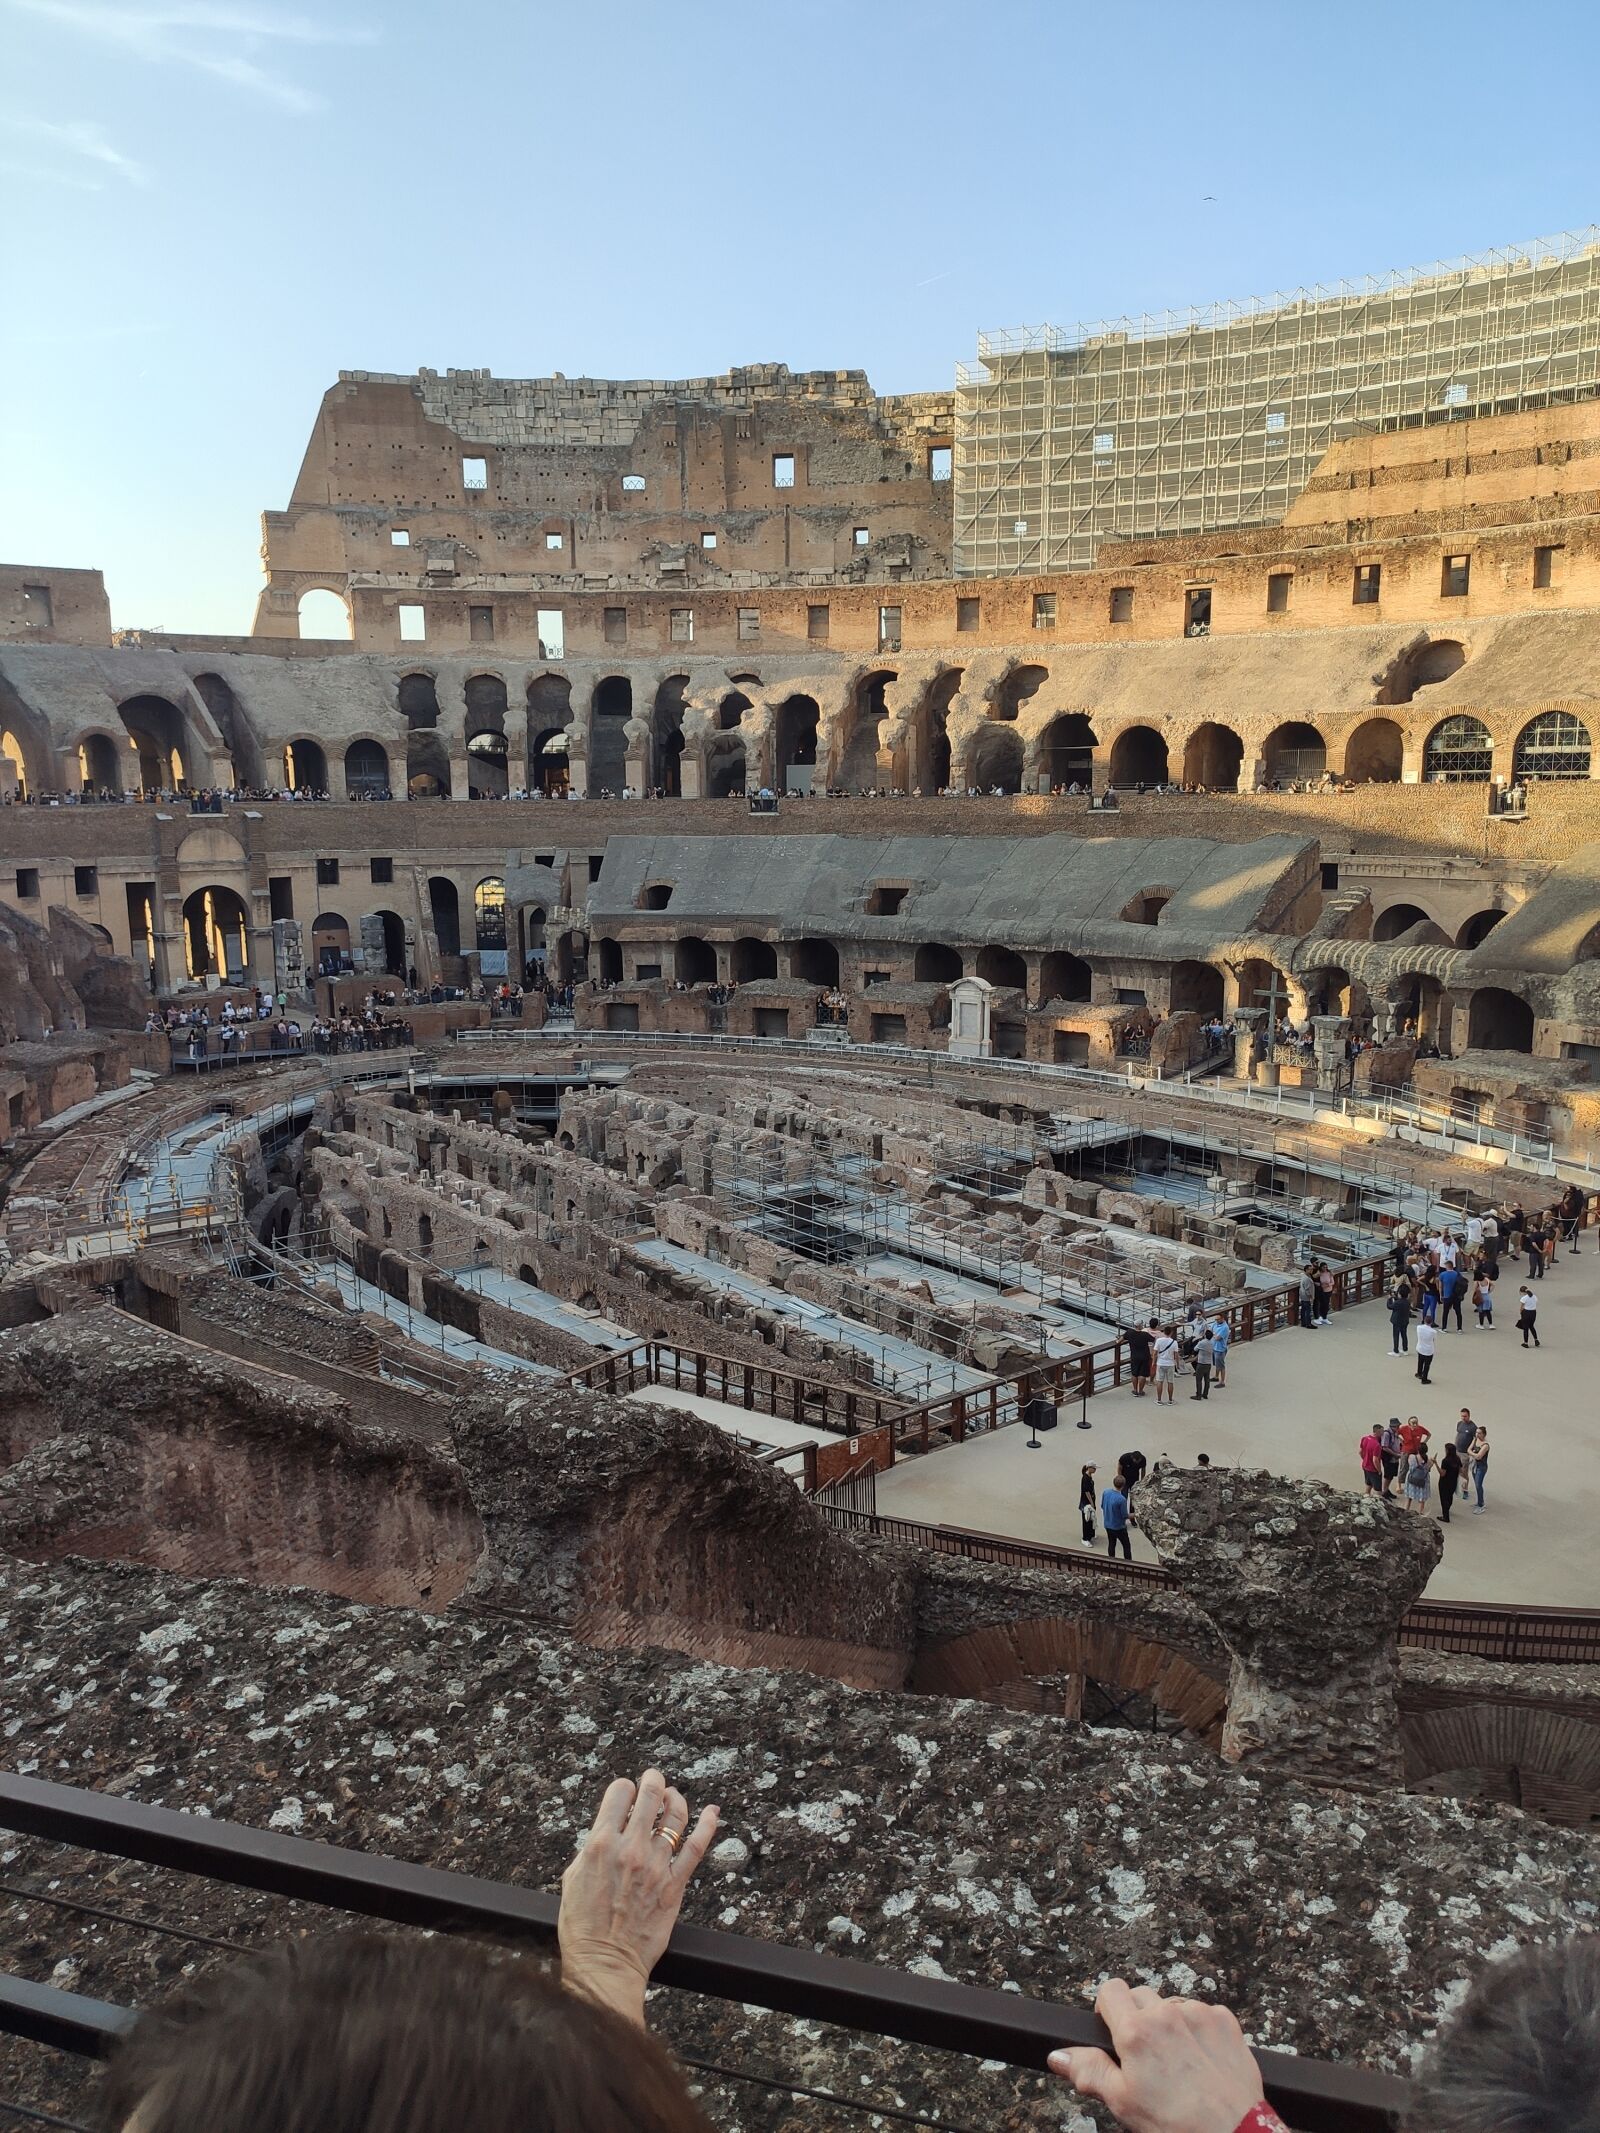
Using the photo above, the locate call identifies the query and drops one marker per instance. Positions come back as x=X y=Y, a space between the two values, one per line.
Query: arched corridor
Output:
x=1375 y=753
x=216 y=934
x=995 y=763
x=323 y=613
x=305 y=767
x=1066 y=752
x=608 y=739
x=666 y=736
x=366 y=771
x=1497 y=1021
x=795 y=744
x=160 y=733
x=1138 y=757
x=99 y=765
x=1294 y=753
x=936 y=964
x=1213 y=757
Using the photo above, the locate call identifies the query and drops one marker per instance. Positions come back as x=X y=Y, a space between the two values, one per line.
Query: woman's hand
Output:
x=1184 y=2067
x=621 y=1896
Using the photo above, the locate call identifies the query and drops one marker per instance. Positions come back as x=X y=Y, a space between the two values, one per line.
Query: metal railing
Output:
x=759 y=1388
x=976 y=2022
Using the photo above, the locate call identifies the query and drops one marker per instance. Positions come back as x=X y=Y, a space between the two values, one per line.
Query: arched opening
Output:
x=549 y=720
x=922 y=762
x=488 y=777
x=550 y=764
x=330 y=944
x=1293 y=753
x=16 y=765
x=394 y=942
x=366 y=771
x=1478 y=928
x=1459 y=751
x=1328 y=991
x=419 y=701
x=610 y=710
x=725 y=768
x=1066 y=751
x=215 y=934
x=694 y=961
x=1139 y=757
x=1016 y=688
x=305 y=767
x=864 y=723
x=996 y=760
x=1375 y=753
x=428 y=767
x=1498 y=1021
x=815 y=962
x=1422 y=668
x=1063 y=977
x=1417 y=1002
x=796 y=744
x=731 y=711
x=444 y=908
x=489 y=913
x=936 y=964
x=610 y=961
x=1145 y=908
x=1553 y=745
x=1397 y=920
x=1194 y=989
x=231 y=723
x=324 y=614
x=99 y=765
x=750 y=959
x=1003 y=966
x=666 y=736
x=160 y=734
x=1213 y=757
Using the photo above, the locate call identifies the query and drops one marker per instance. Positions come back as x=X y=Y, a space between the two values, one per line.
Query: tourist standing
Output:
x=1308 y=1294
x=1371 y=1454
x=1478 y=1466
x=1221 y=1340
x=1114 y=1517
x=1533 y=1244
x=1392 y=1449
x=1165 y=1350
x=1466 y=1430
x=1572 y=1214
x=1202 y=1365
x=1139 y=1340
x=1427 y=1343
x=1400 y=1316
x=1452 y=1286
x=1483 y=1298
x=1324 y=1297
x=1528 y=1315
x=1449 y=1481
x=1418 y=1487
x=1086 y=1499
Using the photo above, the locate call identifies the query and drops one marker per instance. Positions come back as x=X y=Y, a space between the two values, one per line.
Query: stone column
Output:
x=1328 y=1035
x=1306 y=1586
x=1247 y=1028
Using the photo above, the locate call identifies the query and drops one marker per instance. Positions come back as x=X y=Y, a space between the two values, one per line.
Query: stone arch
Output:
x=1213 y=756
x=750 y=959
x=814 y=961
x=417 y=694
x=1002 y=966
x=444 y=909
x=238 y=737
x=795 y=744
x=1544 y=1761
x=610 y=960
x=26 y=744
x=1497 y=1021
x=731 y=711
x=994 y=760
x=694 y=961
x=165 y=743
x=1375 y=753
x=1293 y=752
x=99 y=763
x=1421 y=666
x=305 y=765
x=428 y=775
x=1556 y=744
x=330 y=944
x=725 y=767
x=936 y=963
x=922 y=760
x=1458 y=751
x=861 y=732
x=323 y=613
x=666 y=736
x=1394 y=921
x=1145 y=908
x=489 y=913
x=1014 y=689
x=216 y=933
x=1063 y=977
x=1138 y=757
x=366 y=769
x=1329 y=990
x=993 y=1663
x=1066 y=751
x=1476 y=930
x=1194 y=989
x=610 y=709
x=394 y=942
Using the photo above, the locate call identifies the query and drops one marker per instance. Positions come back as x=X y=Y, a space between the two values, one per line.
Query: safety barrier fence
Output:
x=759 y=1388
x=973 y=2022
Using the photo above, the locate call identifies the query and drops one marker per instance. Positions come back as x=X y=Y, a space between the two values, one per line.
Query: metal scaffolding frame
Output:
x=1190 y=421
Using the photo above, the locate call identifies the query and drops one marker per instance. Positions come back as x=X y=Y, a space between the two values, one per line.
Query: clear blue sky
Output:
x=214 y=207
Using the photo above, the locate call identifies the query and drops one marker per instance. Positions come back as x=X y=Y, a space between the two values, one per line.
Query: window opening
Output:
x=399 y=537
x=939 y=462
x=969 y=614
x=1278 y=583
x=783 y=470
x=1455 y=577
x=552 y=633
x=1044 y=611
x=1368 y=585
x=681 y=625
x=474 y=473
x=413 y=623
x=1122 y=603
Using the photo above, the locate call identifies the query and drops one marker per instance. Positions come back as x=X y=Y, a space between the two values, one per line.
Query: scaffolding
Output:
x=1187 y=422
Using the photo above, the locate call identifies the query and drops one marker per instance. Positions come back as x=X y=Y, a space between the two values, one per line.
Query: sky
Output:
x=216 y=207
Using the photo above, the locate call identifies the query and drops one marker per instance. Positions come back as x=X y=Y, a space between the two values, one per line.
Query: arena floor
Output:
x=1298 y=1402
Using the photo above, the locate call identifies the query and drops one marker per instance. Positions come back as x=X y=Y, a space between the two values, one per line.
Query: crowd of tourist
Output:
x=389 y=2033
x=1401 y=1454
x=1437 y=1273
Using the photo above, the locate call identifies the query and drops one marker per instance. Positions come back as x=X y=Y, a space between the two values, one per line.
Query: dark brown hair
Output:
x=362 y=2033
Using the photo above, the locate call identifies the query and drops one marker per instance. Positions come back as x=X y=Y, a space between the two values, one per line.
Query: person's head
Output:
x=1466 y=1414
x=1202 y=1458
x=1090 y=1470
x=1522 y=2053
x=367 y=2033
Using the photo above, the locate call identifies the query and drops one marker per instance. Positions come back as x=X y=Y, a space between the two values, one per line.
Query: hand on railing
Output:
x=1181 y=2067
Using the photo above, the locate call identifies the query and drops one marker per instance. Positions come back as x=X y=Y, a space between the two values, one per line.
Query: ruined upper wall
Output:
x=588 y=483
x=42 y=605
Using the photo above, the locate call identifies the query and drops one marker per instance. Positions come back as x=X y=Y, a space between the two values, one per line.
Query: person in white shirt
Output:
x=1166 y=1361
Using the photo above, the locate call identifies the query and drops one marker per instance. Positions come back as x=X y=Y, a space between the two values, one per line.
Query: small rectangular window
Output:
x=1547 y=566
x=1455 y=577
x=634 y=484
x=596 y=861
x=869 y=978
x=474 y=473
x=399 y=537
x=1122 y=603
x=480 y=624
x=860 y=536
x=327 y=873
x=37 y=611
x=413 y=623
x=1454 y=395
x=888 y=629
x=1278 y=583
x=681 y=625
x=1197 y=611
x=1277 y=421
x=783 y=470
x=280 y=896
x=1368 y=585
x=27 y=884
x=749 y=624
x=644 y=972
x=939 y=467
x=817 y=624
x=1019 y=527
x=708 y=541
x=969 y=614
x=382 y=872
x=555 y=540
x=884 y=901
x=1105 y=441
x=85 y=881
x=1044 y=611
x=552 y=628
x=616 y=625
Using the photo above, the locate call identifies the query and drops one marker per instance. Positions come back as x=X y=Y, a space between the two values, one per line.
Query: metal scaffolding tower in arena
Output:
x=1188 y=421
